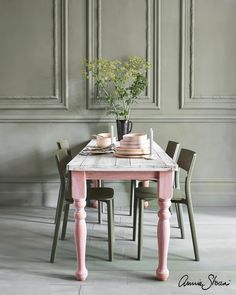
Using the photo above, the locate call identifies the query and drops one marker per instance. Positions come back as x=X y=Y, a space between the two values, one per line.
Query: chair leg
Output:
x=179 y=213
x=135 y=214
x=113 y=206
x=100 y=206
x=193 y=231
x=101 y=184
x=98 y=183
x=140 y=229
x=110 y=225
x=144 y=183
x=131 y=203
x=56 y=215
x=65 y=219
x=57 y=225
x=181 y=221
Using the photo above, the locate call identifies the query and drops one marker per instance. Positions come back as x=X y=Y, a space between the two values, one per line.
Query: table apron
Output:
x=120 y=175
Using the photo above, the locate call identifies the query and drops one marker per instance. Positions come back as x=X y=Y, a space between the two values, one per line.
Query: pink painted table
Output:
x=108 y=167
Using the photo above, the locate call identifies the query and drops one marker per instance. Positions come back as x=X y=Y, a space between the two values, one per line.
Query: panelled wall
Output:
x=191 y=96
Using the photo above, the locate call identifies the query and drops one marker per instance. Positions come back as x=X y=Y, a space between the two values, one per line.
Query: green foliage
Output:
x=119 y=83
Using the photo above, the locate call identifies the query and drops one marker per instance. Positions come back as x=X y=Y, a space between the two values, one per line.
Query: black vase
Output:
x=123 y=127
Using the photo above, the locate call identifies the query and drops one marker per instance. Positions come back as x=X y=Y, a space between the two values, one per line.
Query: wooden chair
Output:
x=64 y=144
x=186 y=161
x=102 y=194
x=172 y=150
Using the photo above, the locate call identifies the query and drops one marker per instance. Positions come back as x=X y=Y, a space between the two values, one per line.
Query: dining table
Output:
x=90 y=164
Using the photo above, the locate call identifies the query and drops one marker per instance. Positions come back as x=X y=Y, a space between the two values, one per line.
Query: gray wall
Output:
x=191 y=97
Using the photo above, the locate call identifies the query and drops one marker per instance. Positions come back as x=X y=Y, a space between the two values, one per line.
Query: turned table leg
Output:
x=165 y=186
x=80 y=232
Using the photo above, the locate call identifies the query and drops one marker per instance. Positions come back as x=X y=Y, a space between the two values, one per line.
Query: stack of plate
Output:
x=133 y=144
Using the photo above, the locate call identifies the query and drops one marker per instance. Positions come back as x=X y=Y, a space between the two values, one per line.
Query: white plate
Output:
x=135 y=137
x=124 y=151
x=134 y=145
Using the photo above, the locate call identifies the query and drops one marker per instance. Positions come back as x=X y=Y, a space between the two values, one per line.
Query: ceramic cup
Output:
x=104 y=139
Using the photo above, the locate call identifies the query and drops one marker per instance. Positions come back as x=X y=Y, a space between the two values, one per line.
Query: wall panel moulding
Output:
x=207 y=55
x=33 y=74
x=145 y=33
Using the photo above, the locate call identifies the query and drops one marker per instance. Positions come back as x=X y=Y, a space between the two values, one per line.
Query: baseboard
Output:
x=42 y=192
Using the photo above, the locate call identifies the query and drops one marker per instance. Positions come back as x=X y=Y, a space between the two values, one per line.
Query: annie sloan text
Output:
x=204 y=284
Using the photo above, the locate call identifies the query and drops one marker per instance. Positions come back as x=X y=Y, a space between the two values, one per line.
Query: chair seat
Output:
x=149 y=193
x=94 y=193
x=178 y=196
x=100 y=193
x=146 y=193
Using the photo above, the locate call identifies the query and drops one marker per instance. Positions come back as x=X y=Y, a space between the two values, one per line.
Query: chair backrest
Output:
x=186 y=162
x=64 y=144
x=62 y=159
x=172 y=149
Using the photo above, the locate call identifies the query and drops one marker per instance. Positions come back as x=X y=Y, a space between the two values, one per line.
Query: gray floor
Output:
x=26 y=236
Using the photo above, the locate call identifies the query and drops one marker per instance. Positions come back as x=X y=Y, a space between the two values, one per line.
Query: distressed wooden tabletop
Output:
x=159 y=161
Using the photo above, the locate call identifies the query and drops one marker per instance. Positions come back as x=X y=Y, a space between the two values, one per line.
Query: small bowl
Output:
x=103 y=139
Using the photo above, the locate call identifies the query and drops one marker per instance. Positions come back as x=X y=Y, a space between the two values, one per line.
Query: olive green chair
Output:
x=102 y=194
x=172 y=150
x=186 y=161
x=64 y=144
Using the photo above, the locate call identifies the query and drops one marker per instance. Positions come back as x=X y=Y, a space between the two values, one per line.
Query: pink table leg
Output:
x=165 y=186
x=79 y=195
